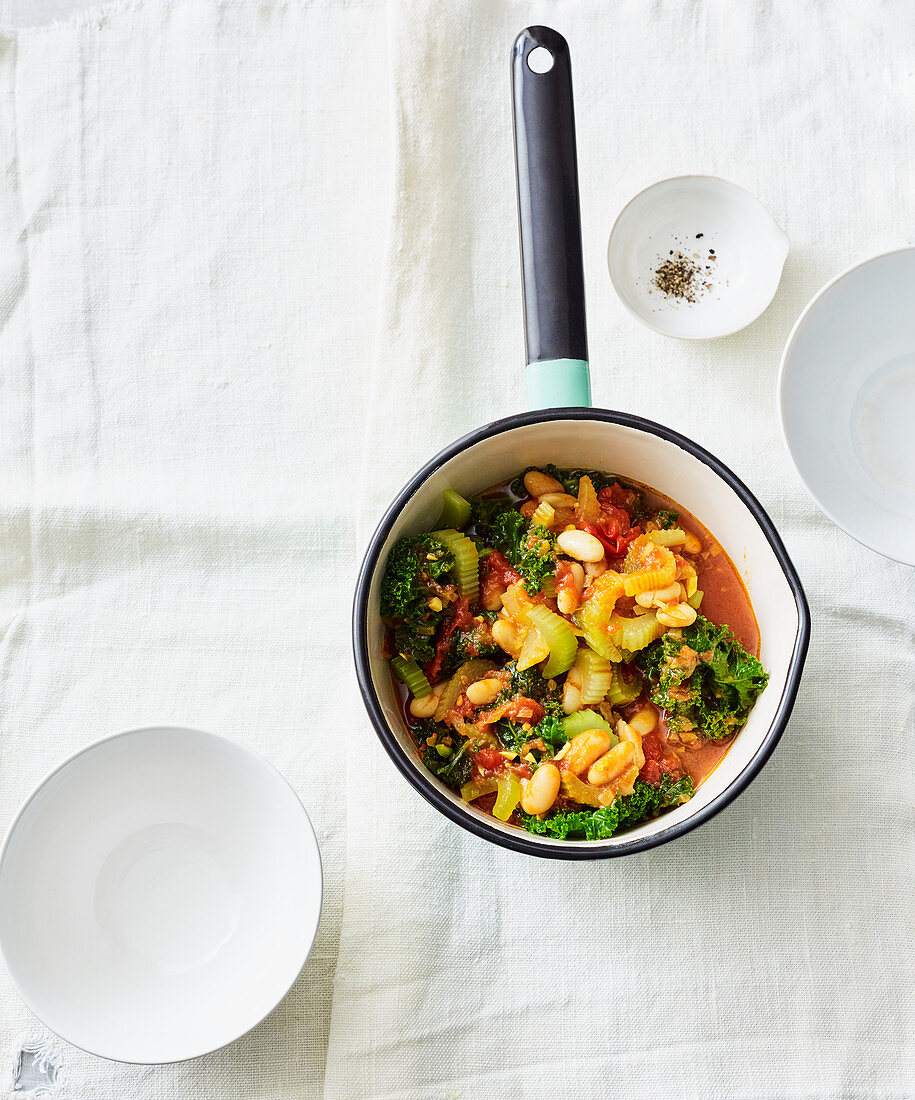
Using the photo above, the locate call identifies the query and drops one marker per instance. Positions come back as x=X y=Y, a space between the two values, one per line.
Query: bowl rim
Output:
x=65 y=763
x=661 y=330
x=783 y=370
x=521 y=841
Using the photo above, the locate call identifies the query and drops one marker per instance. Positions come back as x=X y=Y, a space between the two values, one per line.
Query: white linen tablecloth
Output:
x=203 y=415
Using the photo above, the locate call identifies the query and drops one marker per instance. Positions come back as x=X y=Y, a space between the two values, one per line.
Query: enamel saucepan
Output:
x=562 y=428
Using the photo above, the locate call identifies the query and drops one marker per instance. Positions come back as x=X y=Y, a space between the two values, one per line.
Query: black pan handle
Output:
x=549 y=220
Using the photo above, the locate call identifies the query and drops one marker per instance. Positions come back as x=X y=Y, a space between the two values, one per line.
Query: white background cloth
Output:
x=203 y=417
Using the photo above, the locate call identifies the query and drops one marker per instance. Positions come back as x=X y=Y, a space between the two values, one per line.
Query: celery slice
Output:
x=635 y=634
x=623 y=691
x=672 y=536
x=559 y=636
x=466 y=571
x=696 y=599
x=583 y=720
x=579 y=791
x=543 y=515
x=455 y=510
x=601 y=644
x=596 y=614
x=476 y=788
x=408 y=672
x=468 y=673
x=596 y=672
x=509 y=796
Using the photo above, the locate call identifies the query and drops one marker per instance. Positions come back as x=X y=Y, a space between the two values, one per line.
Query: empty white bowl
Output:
x=159 y=894
x=847 y=402
x=724 y=229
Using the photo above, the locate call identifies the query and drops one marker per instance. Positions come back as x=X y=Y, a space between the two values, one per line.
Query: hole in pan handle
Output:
x=549 y=221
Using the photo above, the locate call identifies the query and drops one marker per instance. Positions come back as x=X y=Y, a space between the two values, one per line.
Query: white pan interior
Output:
x=640 y=456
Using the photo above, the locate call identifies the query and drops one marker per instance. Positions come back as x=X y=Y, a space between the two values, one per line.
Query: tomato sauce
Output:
x=725 y=601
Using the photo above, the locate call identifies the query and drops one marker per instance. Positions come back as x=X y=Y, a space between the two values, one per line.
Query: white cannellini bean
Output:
x=595 y=569
x=644 y=721
x=506 y=636
x=581 y=546
x=425 y=707
x=625 y=784
x=541 y=790
x=607 y=767
x=681 y=615
x=567 y=600
x=483 y=691
x=628 y=733
x=558 y=501
x=578 y=575
x=538 y=483
x=492 y=601
x=571 y=698
x=585 y=748
x=691 y=545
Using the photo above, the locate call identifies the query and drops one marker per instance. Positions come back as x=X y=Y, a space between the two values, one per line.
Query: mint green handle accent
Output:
x=558 y=384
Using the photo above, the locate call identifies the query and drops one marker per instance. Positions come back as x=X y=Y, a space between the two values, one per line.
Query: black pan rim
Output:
x=524 y=842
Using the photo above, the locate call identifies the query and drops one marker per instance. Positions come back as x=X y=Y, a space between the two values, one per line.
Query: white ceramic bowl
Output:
x=654 y=455
x=749 y=249
x=159 y=894
x=846 y=396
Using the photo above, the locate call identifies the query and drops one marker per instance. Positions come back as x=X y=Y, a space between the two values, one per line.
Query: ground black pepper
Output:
x=681 y=276
x=677 y=277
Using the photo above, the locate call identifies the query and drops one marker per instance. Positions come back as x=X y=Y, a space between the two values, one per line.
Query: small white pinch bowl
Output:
x=749 y=247
x=159 y=894
x=846 y=397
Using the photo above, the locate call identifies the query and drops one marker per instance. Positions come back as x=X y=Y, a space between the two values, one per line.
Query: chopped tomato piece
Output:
x=519 y=709
x=659 y=760
x=458 y=618
x=498 y=566
x=615 y=545
x=488 y=761
x=565 y=579
x=617 y=495
x=522 y=709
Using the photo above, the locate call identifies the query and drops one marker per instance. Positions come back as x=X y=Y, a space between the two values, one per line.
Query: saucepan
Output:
x=563 y=428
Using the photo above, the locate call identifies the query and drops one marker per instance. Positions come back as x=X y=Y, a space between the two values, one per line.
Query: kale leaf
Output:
x=644 y=803
x=647 y=801
x=703 y=680
x=413 y=569
x=511 y=735
x=475 y=641
x=532 y=685
x=549 y=729
x=530 y=550
x=665 y=518
x=453 y=770
x=486 y=511
x=528 y=683
x=588 y=824
x=411 y=564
